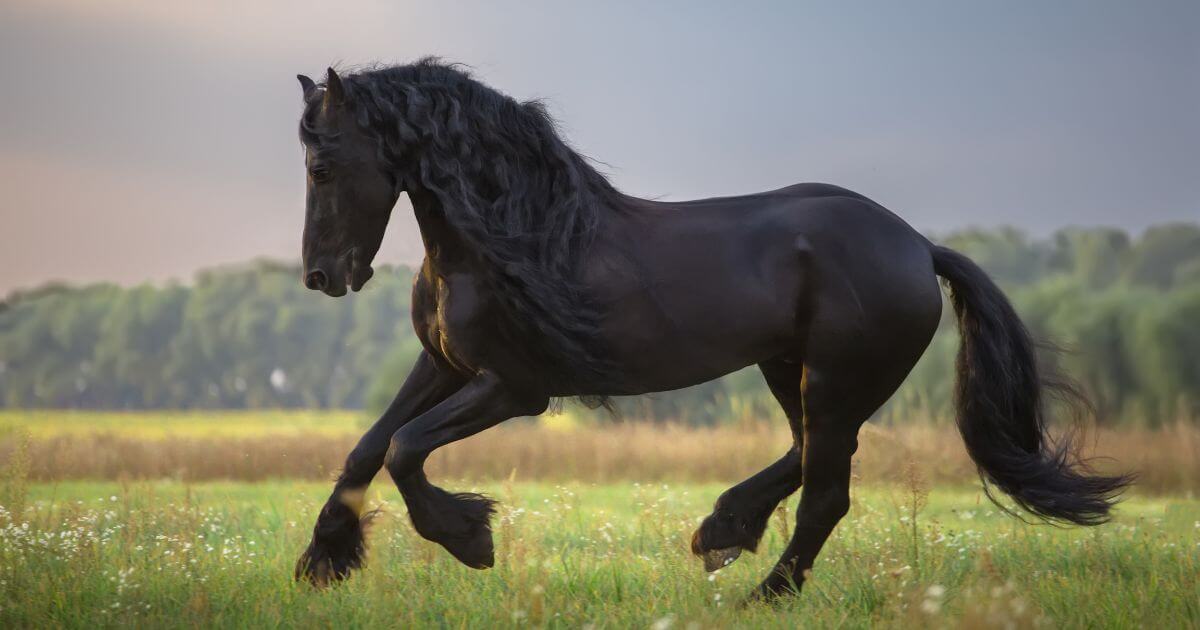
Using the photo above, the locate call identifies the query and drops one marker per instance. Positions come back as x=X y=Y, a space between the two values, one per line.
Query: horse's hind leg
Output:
x=741 y=513
x=830 y=439
x=839 y=395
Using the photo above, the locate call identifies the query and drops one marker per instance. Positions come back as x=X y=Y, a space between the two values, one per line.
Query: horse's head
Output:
x=349 y=196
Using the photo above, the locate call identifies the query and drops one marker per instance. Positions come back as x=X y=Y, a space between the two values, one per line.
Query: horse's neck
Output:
x=443 y=245
x=447 y=248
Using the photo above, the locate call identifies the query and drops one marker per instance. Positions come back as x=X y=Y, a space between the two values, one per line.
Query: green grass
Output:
x=220 y=555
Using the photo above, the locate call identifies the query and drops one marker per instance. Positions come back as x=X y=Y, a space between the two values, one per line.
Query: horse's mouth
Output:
x=351 y=275
x=358 y=271
x=358 y=276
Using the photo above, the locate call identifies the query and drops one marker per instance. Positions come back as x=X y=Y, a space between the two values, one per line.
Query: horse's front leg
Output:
x=338 y=543
x=457 y=521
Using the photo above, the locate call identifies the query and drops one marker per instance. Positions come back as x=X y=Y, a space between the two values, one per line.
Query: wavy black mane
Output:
x=523 y=200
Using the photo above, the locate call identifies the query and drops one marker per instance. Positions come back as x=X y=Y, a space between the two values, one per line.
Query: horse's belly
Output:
x=691 y=329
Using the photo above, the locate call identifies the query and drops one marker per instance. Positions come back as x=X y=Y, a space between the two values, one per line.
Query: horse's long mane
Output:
x=523 y=200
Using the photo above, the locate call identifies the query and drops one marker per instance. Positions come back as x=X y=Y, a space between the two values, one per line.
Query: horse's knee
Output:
x=404 y=457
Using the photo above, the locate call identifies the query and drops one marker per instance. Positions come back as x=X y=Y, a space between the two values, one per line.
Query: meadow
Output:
x=168 y=554
x=310 y=445
x=599 y=542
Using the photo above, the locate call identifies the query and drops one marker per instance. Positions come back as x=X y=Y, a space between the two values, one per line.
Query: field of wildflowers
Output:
x=195 y=519
x=574 y=554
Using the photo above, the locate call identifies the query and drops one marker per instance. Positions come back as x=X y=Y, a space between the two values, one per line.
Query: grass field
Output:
x=104 y=521
x=167 y=554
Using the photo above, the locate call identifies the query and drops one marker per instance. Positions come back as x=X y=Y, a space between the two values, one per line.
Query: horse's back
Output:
x=836 y=231
x=693 y=290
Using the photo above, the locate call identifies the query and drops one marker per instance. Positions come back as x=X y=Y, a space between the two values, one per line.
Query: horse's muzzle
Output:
x=334 y=276
x=327 y=276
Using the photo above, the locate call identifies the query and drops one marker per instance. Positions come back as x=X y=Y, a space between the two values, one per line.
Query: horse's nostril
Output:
x=316 y=280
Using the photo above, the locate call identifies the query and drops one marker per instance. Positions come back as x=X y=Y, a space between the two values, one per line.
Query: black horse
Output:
x=541 y=280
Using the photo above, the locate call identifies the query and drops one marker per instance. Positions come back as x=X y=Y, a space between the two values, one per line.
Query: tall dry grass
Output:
x=1167 y=460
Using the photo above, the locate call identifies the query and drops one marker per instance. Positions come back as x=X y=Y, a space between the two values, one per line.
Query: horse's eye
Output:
x=319 y=174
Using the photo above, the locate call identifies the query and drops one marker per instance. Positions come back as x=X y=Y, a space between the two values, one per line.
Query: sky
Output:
x=143 y=140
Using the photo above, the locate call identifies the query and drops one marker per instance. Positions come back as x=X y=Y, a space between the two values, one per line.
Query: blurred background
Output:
x=154 y=202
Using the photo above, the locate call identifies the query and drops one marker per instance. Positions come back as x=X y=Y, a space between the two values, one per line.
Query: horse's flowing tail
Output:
x=999 y=400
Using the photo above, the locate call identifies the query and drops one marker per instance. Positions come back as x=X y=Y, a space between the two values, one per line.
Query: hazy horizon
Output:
x=144 y=141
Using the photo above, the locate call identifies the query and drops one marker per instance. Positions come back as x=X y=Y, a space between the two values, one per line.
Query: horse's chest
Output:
x=457 y=322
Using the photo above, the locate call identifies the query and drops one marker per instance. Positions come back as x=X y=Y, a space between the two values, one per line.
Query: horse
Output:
x=541 y=281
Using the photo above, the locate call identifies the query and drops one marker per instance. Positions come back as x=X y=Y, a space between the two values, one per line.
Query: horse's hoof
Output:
x=476 y=558
x=475 y=550
x=319 y=574
x=720 y=558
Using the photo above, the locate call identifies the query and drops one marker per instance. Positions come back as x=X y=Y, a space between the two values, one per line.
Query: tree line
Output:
x=1125 y=309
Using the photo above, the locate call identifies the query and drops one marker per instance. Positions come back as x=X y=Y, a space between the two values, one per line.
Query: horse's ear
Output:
x=308 y=84
x=333 y=88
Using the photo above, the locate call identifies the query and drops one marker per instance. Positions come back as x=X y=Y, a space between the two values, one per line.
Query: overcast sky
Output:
x=145 y=140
